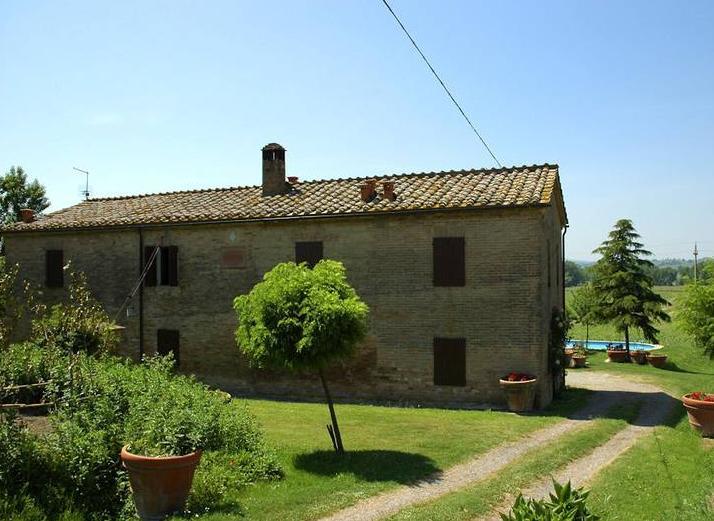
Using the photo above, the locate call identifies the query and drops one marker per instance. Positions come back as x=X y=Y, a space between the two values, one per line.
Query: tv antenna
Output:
x=84 y=192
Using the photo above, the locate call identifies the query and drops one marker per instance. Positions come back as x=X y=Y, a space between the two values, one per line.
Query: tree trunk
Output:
x=587 y=334
x=627 y=341
x=335 y=432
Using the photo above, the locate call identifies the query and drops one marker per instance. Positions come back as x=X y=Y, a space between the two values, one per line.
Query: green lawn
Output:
x=668 y=476
x=387 y=446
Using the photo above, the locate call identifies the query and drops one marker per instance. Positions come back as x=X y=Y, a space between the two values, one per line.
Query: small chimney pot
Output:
x=27 y=215
x=388 y=190
x=367 y=191
x=292 y=179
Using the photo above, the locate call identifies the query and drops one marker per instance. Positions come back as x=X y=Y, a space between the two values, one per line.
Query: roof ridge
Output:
x=494 y=170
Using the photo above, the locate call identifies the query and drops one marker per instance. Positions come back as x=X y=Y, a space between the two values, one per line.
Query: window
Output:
x=164 y=267
x=450 y=361
x=167 y=341
x=308 y=252
x=54 y=272
x=449 y=261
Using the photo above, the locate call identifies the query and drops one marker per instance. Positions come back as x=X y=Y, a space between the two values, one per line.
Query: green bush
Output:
x=567 y=504
x=300 y=318
x=105 y=403
x=79 y=324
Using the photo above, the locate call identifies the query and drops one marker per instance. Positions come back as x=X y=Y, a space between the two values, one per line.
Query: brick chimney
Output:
x=27 y=215
x=274 y=170
x=388 y=191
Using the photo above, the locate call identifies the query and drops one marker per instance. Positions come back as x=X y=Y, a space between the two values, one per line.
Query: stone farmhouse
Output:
x=461 y=271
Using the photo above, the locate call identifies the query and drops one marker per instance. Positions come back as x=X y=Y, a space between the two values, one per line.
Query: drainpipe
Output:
x=562 y=267
x=141 y=295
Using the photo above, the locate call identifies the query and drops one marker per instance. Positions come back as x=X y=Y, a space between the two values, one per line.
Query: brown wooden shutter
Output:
x=450 y=361
x=167 y=341
x=172 y=265
x=449 y=261
x=54 y=268
x=308 y=252
x=150 y=279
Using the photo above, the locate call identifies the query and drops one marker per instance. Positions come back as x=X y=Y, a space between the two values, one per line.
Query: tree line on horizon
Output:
x=675 y=272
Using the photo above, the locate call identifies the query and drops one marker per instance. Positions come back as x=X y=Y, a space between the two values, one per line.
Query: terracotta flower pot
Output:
x=160 y=485
x=568 y=358
x=657 y=361
x=617 y=355
x=579 y=361
x=701 y=415
x=520 y=396
x=639 y=357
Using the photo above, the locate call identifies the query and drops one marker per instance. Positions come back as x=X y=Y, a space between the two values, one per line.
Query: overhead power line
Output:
x=436 y=75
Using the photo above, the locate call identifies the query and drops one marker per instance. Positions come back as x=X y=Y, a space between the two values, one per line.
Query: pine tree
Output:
x=622 y=286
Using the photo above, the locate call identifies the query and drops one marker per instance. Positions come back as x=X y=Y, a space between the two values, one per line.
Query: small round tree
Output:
x=299 y=318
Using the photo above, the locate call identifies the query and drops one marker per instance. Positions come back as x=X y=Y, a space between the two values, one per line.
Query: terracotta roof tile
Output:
x=507 y=187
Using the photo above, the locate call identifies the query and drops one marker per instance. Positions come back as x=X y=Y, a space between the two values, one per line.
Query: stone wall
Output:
x=503 y=312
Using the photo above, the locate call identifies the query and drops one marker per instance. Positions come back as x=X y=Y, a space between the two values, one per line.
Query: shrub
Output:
x=10 y=307
x=79 y=324
x=107 y=403
x=697 y=315
x=25 y=364
x=567 y=504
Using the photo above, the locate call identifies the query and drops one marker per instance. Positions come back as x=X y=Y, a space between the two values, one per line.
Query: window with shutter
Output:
x=54 y=270
x=167 y=341
x=450 y=361
x=308 y=252
x=449 y=261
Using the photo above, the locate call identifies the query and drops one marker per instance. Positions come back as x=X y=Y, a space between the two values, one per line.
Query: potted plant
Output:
x=160 y=485
x=639 y=356
x=657 y=360
x=580 y=357
x=568 y=353
x=520 y=391
x=617 y=353
x=700 y=410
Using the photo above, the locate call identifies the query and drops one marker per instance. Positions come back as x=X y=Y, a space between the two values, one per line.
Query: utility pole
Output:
x=84 y=192
x=696 y=269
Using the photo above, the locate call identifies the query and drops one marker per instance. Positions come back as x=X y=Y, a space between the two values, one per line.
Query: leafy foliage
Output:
x=559 y=327
x=16 y=193
x=78 y=324
x=10 y=308
x=583 y=307
x=696 y=316
x=300 y=318
x=622 y=287
x=105 y=403
x=566 y=504
x=574 y=274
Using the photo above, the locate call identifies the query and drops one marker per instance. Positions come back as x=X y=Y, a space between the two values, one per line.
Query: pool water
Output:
x=601 y=345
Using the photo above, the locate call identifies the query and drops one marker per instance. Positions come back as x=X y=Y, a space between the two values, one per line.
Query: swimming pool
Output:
x=601 y=345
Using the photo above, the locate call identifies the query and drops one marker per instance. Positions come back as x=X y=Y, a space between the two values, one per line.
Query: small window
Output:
x=308 y=252
x=54 y=273
x=167 y=341
x=164 y=266
x=449 y=261
x=450 y=361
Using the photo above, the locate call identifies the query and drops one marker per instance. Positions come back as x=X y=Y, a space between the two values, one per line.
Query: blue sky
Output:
x=167 y=95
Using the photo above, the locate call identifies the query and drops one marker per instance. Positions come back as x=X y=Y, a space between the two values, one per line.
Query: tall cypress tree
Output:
x=622 y=286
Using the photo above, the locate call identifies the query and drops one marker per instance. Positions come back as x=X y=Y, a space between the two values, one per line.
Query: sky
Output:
x=155 y=96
